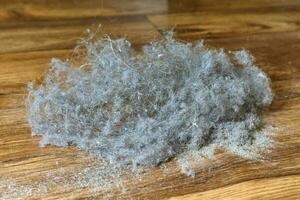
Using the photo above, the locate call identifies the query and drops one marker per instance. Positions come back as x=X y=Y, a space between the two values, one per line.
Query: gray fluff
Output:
x=133 y=108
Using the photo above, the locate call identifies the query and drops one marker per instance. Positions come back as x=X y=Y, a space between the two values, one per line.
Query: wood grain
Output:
x=33 y=32
x=286 y=187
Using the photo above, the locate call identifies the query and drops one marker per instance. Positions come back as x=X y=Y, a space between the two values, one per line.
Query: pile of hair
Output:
x=143 y=108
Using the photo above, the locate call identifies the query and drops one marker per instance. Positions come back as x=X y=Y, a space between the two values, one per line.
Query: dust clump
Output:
x=143 y=108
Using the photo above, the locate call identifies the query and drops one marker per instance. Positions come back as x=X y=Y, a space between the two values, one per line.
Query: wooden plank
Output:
x=227 y=24
x=14 y=10
x=271 y=188
x=59 y=35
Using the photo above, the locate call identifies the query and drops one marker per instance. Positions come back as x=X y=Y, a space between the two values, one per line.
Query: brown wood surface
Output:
x=34 y=31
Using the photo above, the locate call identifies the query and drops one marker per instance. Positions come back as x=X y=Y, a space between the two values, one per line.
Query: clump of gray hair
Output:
x=144 y=108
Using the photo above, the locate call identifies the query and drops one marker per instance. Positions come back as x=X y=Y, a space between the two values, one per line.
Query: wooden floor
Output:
x=32 y=32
